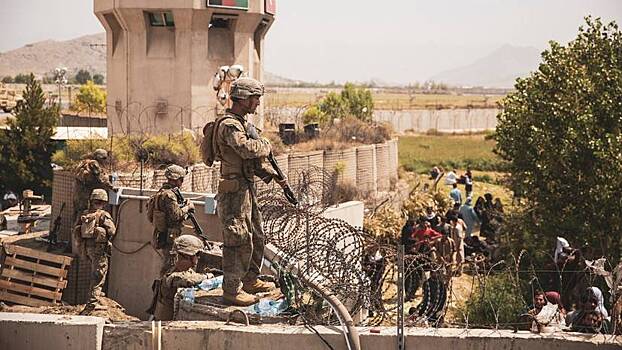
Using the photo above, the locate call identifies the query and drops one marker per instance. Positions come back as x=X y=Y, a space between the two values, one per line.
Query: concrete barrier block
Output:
x=26 y=331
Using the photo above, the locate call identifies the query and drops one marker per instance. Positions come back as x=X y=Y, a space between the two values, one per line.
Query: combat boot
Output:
x=240 y=299
x=257 y=286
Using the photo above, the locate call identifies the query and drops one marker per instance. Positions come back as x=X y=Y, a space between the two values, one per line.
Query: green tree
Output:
x=333 y=106
x=7 y=80
x=98 y=79
x=359 y=101
x=21 y=78
x=83 y=76
x=561 y=133
x=90 y=98
x=26 y=144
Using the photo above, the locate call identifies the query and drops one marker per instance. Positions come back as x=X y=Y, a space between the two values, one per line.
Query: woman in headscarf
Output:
x=592 y=307
x=597 y=294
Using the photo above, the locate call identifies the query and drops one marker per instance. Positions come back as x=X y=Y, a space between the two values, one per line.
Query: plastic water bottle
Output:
x=188 y=294
x=211 y=283
x=267 y=307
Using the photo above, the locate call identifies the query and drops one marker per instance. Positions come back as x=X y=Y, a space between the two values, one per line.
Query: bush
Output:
x=333 y=106
x=162 y=150
x=314 y=115
x=180 y=149
x=90 y=98
x=352 y=101
x=496 y=300
x=359 y=102
x=351 y=129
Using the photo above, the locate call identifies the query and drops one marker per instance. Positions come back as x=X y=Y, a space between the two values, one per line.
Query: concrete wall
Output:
x=19 y=331
x=60 y=332
x=443 y=120
x=172 y=67
x=216 y=335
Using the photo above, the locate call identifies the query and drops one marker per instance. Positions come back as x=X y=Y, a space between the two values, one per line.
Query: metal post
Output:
x=400 y=297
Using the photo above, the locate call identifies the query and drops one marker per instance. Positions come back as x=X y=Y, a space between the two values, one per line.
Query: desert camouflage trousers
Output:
x=243 y=237
x=97 y=255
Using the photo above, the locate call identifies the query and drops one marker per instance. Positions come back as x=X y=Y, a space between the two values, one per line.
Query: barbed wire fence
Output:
x=361 y=270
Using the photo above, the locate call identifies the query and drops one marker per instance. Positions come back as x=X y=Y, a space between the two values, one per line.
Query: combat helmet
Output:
x=100 y=154
x=174 y=172
x=187 y=245
x=99 y=194
x=243 y=88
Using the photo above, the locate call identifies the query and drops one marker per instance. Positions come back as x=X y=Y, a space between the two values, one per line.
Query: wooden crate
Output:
x=32 y=277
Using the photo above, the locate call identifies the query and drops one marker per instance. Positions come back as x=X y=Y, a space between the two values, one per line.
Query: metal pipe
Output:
x=274 y=255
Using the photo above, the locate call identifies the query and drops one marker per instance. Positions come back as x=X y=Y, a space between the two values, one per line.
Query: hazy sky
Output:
x=323 y=40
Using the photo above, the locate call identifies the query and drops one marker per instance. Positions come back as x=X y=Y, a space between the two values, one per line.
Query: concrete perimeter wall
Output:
x=457 y=120
x=61 y=332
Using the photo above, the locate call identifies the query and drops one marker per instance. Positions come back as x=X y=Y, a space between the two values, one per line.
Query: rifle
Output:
x=289 y=194
x=53 y=235
x=197 y=228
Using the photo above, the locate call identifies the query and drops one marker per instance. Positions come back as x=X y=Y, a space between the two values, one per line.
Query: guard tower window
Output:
x=220 y=22
x=161 y=19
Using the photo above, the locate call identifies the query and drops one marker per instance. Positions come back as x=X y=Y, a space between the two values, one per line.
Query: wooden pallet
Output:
x=32 y=277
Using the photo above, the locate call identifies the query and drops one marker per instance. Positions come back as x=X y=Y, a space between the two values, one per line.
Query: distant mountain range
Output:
x=499 y=69
x=86 y=52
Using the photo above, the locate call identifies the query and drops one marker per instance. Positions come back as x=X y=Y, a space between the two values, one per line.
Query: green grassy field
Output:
x=394 y=101
x=422 y=152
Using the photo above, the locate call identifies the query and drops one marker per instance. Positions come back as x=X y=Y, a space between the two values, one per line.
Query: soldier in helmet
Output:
x=241 y=158
x=167 y=215
x=90 y=174
x=92 y=233
x=182 y=275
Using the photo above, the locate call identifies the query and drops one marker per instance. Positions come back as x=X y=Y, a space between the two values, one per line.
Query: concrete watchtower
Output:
x=163 y=54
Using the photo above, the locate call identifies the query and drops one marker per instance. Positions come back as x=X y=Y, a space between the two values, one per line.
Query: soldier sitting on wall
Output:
x=185 y=255
x=92 y=233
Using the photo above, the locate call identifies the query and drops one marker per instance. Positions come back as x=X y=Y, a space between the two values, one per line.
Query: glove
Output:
x=189 y=207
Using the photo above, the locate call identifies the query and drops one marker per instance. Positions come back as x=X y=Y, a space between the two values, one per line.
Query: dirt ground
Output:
x=109 y=309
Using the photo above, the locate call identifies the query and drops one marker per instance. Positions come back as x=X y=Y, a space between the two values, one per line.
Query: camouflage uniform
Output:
x=243 y=237
x=96 y=249
x=169 y=227
x=168 y=288
x=89 y=175
x=188 y=245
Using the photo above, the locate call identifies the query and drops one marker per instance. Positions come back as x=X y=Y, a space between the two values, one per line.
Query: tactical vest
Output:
x=154 y=214
x=89 y=226
x=232 y=166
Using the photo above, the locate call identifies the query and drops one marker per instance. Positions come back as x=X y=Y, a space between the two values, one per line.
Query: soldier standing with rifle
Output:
x=229 y=140
x=93 y=232
x=167 y=215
